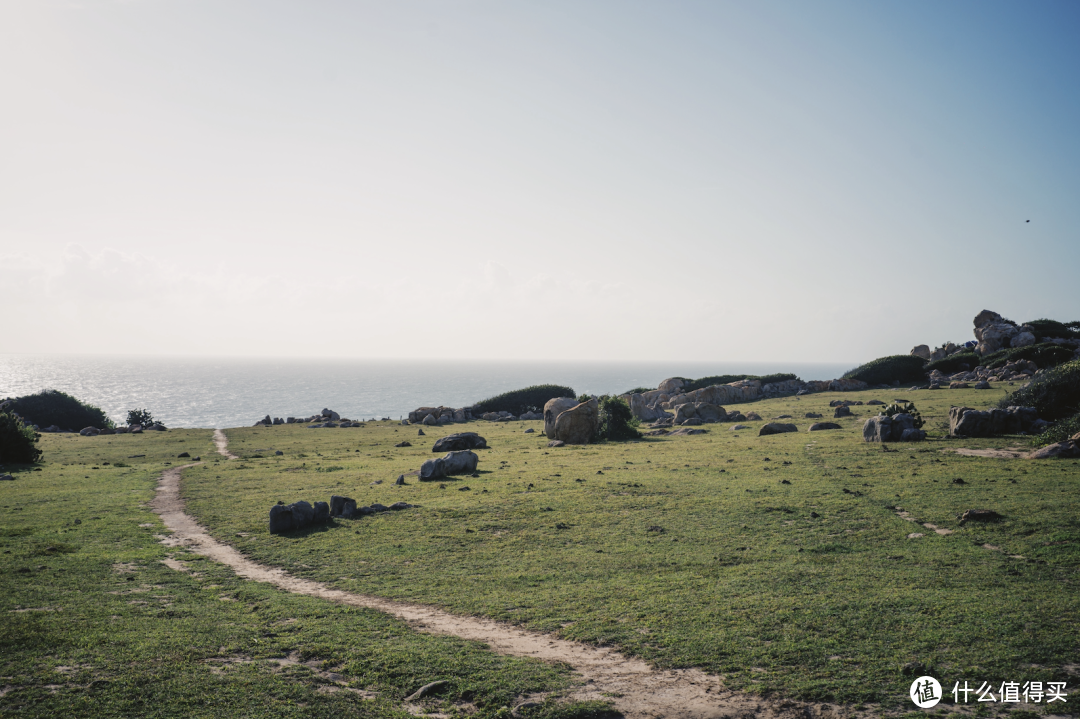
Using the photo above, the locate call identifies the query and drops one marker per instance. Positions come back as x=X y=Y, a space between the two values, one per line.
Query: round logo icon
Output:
x=925 y=692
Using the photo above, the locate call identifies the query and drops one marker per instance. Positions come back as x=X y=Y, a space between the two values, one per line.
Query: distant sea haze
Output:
x=231 y=392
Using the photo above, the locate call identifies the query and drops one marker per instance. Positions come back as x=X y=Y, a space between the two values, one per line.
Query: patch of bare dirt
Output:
x=992 y=453
x=222 y=443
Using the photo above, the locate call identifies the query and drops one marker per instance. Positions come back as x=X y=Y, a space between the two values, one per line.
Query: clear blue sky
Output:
x=781 y=181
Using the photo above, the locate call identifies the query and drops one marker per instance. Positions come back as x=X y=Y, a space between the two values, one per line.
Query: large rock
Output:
x=818 y=426
x=298 y=515
x=330 y=414
x=462 y=440
x=578 y=424
x=671 y=386
x=969 y=422
x=281 y=519
x=553 y=409
x=1022 y=339
x=463 y=462
x=898 y=428
x=90 y=431
x=847 y=385
x=1069 y=449
x=993 y=332
x=641 y=409
x=921 y=351
x=842 y=411
x=430 y=420
x=776 y=428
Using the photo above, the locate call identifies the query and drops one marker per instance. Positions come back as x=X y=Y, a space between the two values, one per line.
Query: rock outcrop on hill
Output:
x=440 y=415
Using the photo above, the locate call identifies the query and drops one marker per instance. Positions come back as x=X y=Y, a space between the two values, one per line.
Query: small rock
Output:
x=738 y=427
x=958 y=481
x=815 y=515
x=776 y=428
x=183 y=454
x=530 y=430
x=812 y=415
x=400 y=480
x=556 y=443
x=405 y=443
x=784 y=481
x=979 y=515
x=278 y=452
x=419 y=433
x=842 y=411
x=427 y=688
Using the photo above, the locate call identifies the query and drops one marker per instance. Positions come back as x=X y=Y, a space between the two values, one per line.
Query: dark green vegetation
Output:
x=689 y=385
x=53 y=407
x=905 y=369
x=895 y=408
x=617 y=422
x=1044 y=355
x=93 y=624
x=780 y=563
x=1056 y=394
x=18 y=443
x=523 y=400
x=1047 y=329
x=954 y=363
x=140 y=416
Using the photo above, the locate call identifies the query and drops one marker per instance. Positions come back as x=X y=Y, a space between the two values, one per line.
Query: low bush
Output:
x=53 y=407
x=891 y=410
x=140 y=416
x=905 y=369
x=1044 y=355
x=951 y=364
x=1046 y=329
x=18 y=442
x=617 y=423
x=529 y=399
x=1055 y=393
x=689 y=385
x=1059 y=432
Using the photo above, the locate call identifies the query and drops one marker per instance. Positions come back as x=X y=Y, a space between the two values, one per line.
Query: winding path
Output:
x=635 y=688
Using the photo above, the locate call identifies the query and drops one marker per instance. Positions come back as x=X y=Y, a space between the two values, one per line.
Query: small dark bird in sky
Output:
x=1027 y=220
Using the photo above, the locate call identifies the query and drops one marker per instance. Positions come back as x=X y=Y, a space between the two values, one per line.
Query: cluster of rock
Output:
x=326 y=418
x=568 y=421
x=505 y=416
x=129 y=429
x=1016 y=371
x=897 y=428
x=932 y=355
x=994 y=332
x=440 y=415
x=669 y=395
x=970 y=422
x=300 y=515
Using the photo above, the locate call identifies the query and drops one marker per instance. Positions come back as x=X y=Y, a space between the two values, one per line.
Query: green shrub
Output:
x=1046 y=329
x=50 y=406
x=905 y=369
x=1044 y=355
x=891 y=410
x=689 y=385
x=617 y=423
x=140 y=416
x=1055 y=393
x=1059 y=432
x=529 y=399
x=17 y=441
x=951 y=364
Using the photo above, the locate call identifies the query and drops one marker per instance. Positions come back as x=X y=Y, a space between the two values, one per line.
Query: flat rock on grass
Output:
x=776 y=428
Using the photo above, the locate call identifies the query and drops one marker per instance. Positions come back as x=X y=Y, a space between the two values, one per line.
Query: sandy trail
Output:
x=635 y=688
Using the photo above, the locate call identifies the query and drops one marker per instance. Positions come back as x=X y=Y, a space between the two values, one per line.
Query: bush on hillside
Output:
x=1055 y=393
x=951 y=364
x=689 y=385
x=529 y=399
x=1059 y=432
x=53 y=407
x=1044 y=355
x=1046 y=329
x=617 y=423
x=140 y=416
x=905 y=369
x=18 y=442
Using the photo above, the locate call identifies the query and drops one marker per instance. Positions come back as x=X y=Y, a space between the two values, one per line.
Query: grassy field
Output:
x=93 y=624
x=781 y=563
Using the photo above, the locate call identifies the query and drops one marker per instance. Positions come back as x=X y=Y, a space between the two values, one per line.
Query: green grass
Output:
x=92 y=624
x=743 y=581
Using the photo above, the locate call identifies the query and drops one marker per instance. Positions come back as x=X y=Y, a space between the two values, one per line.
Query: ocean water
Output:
x=233 y=392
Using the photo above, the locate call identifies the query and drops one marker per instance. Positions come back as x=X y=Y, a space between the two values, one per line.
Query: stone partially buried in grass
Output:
x=458 y=442
x=818 y=426
x=462 y=462
x=776 y=428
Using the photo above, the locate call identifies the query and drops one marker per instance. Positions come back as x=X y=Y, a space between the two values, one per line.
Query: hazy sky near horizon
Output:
x=759 y=181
